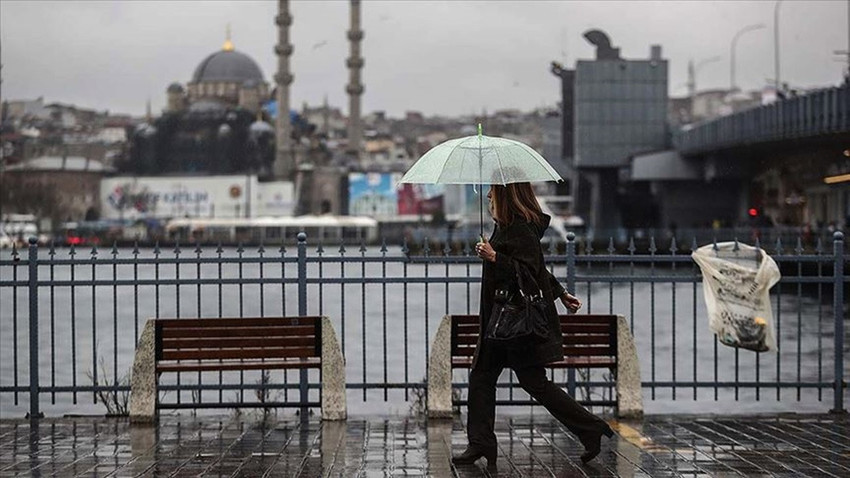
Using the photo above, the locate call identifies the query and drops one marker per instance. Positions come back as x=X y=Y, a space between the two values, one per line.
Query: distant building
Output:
x=57 y=188
x=213 y=125
x=620 y=110
x=23 y=109
x=330 y=121
x=709 y=104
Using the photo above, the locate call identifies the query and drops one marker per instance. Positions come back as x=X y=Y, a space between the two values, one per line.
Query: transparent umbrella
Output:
x=480 y=160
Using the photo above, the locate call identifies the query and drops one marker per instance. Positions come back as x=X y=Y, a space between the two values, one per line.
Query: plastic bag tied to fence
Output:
x=736 y=281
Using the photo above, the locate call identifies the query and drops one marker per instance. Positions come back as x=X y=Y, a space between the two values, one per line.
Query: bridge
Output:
x=783 y=163
x=820 y=115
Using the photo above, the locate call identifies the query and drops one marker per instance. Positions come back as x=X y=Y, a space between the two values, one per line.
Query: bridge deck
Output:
x=530 y=445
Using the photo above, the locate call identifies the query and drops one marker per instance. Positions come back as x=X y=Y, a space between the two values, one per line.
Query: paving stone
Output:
x=182 y=445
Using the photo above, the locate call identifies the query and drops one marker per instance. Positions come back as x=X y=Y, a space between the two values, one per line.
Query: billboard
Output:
x=147 y=197
x=376 y=195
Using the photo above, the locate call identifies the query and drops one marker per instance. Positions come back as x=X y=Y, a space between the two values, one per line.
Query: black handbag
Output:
x=519 y=324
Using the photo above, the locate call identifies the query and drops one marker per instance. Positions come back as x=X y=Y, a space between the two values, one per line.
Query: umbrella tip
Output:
x=479 y=130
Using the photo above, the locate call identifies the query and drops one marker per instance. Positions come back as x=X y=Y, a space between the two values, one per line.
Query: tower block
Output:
x=355 y=85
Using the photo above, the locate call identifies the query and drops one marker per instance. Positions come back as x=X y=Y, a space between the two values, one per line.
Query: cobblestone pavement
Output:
x=776 y=445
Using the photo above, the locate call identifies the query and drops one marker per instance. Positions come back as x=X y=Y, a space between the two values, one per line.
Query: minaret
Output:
x=326 y=118
x=354 y=87
x=284 y=156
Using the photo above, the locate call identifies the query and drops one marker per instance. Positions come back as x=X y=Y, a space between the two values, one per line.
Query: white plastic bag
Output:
x=736 y=284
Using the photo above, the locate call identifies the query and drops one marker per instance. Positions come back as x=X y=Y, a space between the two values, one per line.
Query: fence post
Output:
x=571 y=288
x=302 y=311
x=838 y=313
x=32 y=258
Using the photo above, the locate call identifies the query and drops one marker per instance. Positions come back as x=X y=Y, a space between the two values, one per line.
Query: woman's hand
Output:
x=571 y=302
x=485 y=251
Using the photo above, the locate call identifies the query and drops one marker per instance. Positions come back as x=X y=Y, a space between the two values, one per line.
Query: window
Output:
x=273 y=233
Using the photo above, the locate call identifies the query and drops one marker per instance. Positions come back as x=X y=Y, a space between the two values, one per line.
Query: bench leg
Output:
x=629 y=395
x=440 y=372
x=333 y=375
x=143 y=380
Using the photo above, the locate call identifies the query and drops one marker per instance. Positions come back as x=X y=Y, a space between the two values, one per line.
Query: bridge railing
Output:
x=818 y=113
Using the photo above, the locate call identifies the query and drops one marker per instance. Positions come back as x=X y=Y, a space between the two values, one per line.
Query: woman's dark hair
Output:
x=516 y=200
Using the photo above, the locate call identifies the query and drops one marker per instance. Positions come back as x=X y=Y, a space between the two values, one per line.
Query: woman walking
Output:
x=516 y=241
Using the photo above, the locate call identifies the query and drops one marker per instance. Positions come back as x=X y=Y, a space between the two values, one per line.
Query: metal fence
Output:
x=70 y=320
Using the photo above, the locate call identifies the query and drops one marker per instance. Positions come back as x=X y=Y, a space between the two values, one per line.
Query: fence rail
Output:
x=76 y=320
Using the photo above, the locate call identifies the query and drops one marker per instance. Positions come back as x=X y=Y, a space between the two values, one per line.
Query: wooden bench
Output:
x=590 y=341
x=203 y=345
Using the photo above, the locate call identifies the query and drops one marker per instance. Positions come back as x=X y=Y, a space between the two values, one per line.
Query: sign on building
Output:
x=131 y=197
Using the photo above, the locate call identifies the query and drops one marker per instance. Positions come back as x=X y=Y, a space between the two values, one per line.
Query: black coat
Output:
x=519 y=241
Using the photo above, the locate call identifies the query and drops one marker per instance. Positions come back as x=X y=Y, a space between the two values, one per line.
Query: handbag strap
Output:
x=522 y=271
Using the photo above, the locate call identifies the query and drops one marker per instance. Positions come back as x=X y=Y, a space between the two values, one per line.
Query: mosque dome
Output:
x=259 y=127
x=228 y=66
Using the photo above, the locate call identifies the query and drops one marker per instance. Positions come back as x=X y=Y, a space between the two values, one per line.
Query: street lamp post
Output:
x=776 y=82
x=748 y=28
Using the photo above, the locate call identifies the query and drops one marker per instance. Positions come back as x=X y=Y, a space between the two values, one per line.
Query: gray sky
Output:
x=437 y=57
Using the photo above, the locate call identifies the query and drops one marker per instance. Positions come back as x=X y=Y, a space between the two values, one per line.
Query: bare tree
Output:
x=40 y=198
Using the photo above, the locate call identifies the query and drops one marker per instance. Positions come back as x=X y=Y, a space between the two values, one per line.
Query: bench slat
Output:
x=464 y=339
x=588 y=319
x=570 y=362
x=586 y=329
x=233 y=342
x=588 y=351
x=464 y=351
x=210 y=366
x=465 y=319
x=239 y=322
x=469 y=351
x=587 y=339
x=255 y=353
x=199 y=332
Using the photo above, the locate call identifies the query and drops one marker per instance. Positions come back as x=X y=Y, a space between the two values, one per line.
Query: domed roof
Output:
x=259 y=127
x=228 y=65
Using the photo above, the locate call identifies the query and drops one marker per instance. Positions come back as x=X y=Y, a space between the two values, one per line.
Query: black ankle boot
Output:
x=593 y=444
x=471 y=454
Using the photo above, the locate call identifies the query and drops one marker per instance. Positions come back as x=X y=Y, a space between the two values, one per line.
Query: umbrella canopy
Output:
x=480 y=160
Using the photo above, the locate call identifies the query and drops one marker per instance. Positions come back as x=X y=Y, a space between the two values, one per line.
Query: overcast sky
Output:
x=453 y=57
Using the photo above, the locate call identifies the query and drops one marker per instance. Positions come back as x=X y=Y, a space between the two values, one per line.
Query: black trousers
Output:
x=482 y=403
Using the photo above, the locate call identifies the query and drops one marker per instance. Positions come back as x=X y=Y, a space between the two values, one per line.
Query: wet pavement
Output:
x=529 y=445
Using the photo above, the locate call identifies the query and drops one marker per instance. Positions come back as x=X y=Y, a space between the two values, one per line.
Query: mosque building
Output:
x=225 y=121
x=214 y=125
